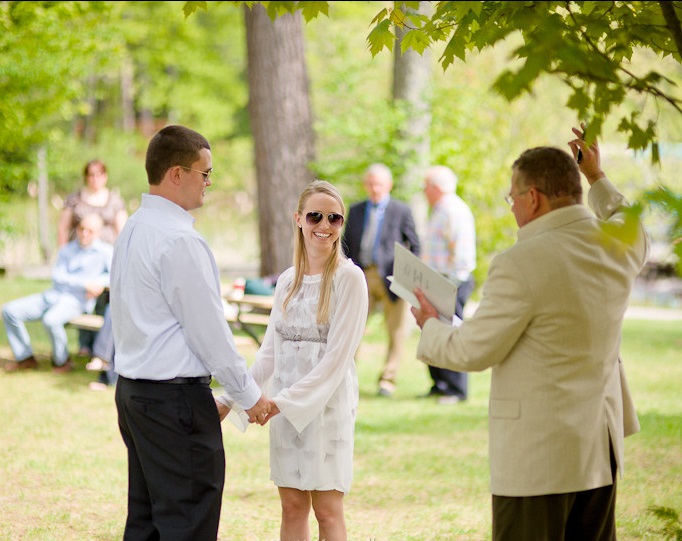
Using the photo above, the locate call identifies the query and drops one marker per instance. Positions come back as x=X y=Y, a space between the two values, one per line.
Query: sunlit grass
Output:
x=421 y=469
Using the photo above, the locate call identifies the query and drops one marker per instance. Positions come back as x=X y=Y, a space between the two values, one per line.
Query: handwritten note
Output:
x=409 y=272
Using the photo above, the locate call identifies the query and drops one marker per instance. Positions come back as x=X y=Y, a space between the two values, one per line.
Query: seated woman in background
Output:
x=94 y=197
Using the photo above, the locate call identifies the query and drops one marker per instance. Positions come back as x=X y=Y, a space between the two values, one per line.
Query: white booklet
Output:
x=409 y=272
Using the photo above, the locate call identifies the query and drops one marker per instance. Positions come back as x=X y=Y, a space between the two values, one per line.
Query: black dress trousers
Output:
x=176 y=460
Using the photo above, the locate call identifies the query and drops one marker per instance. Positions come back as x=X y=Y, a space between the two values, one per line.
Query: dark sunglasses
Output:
x=314 y=218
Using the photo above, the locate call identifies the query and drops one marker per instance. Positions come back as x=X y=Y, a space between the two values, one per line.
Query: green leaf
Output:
x=655 y=155
x=417 y=20
x=453 y=48
x=626 y=233
x=191 y=7
x=380 y=37
x=379 y=17
x=579 y=101
x=277 y=9
x=415 y=39
x=397 y=17
x=311 y=10
x=639 y=138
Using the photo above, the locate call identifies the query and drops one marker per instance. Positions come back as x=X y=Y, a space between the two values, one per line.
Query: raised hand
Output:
x=590 y=162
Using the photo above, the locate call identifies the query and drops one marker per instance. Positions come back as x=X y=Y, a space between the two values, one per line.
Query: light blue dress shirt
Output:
x=77 y=266
x=166 y=304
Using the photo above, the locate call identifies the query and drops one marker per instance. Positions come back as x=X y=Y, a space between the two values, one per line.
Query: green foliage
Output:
x=588 y=45
x=595 y=49
x=61 y=66
x=60 y=77
x=188 y=71
x=420 y=469
x=671 y=203
x=309 y=10
x=625 y=233
x=39 y=92
x=36 y=78
x=381 y=37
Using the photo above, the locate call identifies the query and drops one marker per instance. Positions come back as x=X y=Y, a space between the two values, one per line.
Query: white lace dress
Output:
x=309 y=370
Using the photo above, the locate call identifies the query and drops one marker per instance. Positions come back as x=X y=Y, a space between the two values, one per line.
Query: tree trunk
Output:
x=43 y=208
x=411 y=86
x=127 y=96
x=281 y=124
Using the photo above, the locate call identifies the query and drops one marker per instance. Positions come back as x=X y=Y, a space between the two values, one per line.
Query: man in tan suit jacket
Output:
x=549 y=324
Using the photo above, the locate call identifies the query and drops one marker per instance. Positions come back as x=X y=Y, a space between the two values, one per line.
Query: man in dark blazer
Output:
x=372 y=228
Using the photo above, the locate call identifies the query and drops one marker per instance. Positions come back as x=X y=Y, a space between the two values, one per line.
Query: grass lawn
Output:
x=421 y=469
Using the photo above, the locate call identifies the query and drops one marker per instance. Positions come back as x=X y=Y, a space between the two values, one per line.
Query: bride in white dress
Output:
x=306 y=366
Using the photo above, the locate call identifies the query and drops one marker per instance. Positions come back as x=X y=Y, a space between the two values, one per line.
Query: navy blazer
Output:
x=397 y=226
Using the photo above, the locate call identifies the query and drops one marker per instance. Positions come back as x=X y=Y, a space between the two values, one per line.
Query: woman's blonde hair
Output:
x=301 y=256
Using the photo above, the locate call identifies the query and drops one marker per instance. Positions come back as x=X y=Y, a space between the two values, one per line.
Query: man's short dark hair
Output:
x=553 y=171
x=173 y=145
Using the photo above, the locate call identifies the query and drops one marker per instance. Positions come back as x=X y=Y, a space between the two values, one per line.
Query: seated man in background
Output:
x=79 y=276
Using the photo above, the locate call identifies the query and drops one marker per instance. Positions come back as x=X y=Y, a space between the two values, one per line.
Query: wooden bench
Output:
x=252 y=316
x=87 y=322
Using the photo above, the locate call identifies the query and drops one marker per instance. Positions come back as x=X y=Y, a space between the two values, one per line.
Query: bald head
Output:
x=89 y=229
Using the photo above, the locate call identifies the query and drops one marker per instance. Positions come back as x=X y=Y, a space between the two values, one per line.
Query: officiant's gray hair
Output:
x=442 y=177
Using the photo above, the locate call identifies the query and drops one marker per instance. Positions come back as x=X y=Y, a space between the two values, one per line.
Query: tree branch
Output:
x=672 y=23
x=639 y=85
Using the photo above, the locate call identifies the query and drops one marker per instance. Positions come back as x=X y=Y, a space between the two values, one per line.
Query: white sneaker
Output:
x=97 y=365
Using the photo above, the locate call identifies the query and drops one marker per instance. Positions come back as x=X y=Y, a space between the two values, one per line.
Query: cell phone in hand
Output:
x=579 y=158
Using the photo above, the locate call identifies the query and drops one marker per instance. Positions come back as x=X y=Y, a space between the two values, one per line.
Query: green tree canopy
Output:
x=590 y=46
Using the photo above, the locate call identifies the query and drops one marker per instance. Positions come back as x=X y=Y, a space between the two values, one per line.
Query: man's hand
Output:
x=223 y=410
x=259 y=412
x=590 y=164
x=92 y=291
x=425 y=311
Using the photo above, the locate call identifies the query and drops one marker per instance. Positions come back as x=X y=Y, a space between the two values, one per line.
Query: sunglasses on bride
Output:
x=314 y=218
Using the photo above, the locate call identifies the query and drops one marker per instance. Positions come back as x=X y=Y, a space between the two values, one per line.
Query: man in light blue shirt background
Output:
x=79 y=276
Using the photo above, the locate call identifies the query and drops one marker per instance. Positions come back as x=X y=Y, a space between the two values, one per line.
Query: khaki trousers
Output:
x=396 y=320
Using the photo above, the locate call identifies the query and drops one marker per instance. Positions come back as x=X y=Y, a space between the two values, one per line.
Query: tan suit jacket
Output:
x=549 y=324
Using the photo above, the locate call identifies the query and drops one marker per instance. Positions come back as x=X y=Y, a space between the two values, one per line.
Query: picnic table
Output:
x=252 y=313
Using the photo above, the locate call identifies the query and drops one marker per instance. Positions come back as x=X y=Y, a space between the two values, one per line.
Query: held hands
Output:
x=425 y=311
x=274 y=410
x=590 y=164
x=263 y=411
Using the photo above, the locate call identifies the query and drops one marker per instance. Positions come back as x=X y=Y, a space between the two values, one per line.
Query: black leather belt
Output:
x=205 y=380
